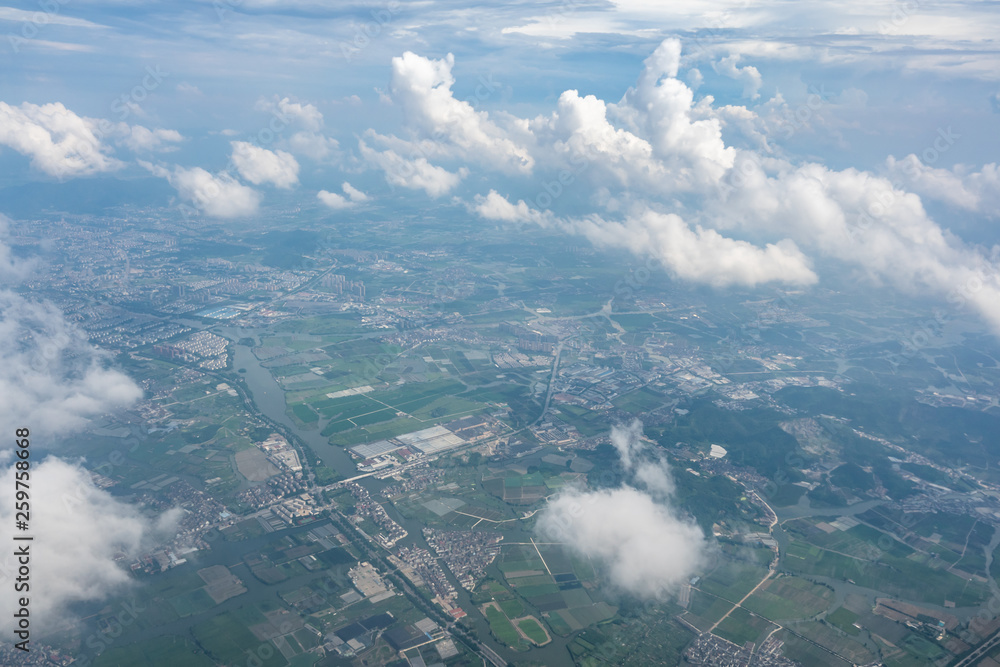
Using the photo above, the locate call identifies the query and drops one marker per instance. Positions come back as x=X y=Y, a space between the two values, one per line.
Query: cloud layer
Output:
x=663 y=182
x=53 y=381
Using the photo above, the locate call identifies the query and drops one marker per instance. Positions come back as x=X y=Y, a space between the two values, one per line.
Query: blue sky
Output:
x=737 y=142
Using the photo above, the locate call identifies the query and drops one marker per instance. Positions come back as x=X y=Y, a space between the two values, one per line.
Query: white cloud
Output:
x=354 y=194
x=219 y=196
x=338 y=202
x=59 y=143
x=748 y=76
x=333 y=200
x=314 y=146
x=961 y=187
x=714 y=213
x=307 y=122
x=861 y=220
x=699 y=255
x=260 y=165
x=643 y=545
x=305 y=116
x=140 y=139
x=655 y=139
x=42 y=18
x=53 y=382
x=495 y=206
x=695 y=78
x=84 y=530
x=415 y=174
x=50 y=376
x=660 y=107
x=423 y=87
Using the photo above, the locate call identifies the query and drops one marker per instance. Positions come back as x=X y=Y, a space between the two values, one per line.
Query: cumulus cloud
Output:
x=59 y=143
x=307 y=121
x=422 y=86
x=698 y=255
x=961 y=187
x=260 y=165
x=333 y=200
x=337 y=202
x=314 y=146
x=861 y=220
x=701 y=255
x=353 y=193
x=306 y=116
x=415 y=174
x=141 y=139
x=661 y=107
x=495 y=206
x=713 y=213
x=748 y=76
x=80 y=532
x=219 y=196
x=643 y=544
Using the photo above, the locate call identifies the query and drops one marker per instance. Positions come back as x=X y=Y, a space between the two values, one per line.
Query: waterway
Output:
x=269 y=398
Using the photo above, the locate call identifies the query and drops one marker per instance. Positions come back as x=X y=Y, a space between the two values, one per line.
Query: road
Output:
x=552 y=384
x=980 y=652
x=771 y=569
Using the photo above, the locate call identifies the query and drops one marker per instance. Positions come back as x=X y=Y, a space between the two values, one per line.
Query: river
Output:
x=269 y=398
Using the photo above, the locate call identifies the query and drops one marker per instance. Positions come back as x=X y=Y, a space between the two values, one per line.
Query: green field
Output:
x=229 y=641
x=741 y=627
x=558 y=624
x=513 y=608
x=844 y=619
x=533 y=630
x=831 y=639
x=305 y=414
x=789 y=598
x=502 y=628
x=191 y=602
x=907 y=578
x=156 y=652
x=732 y=579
